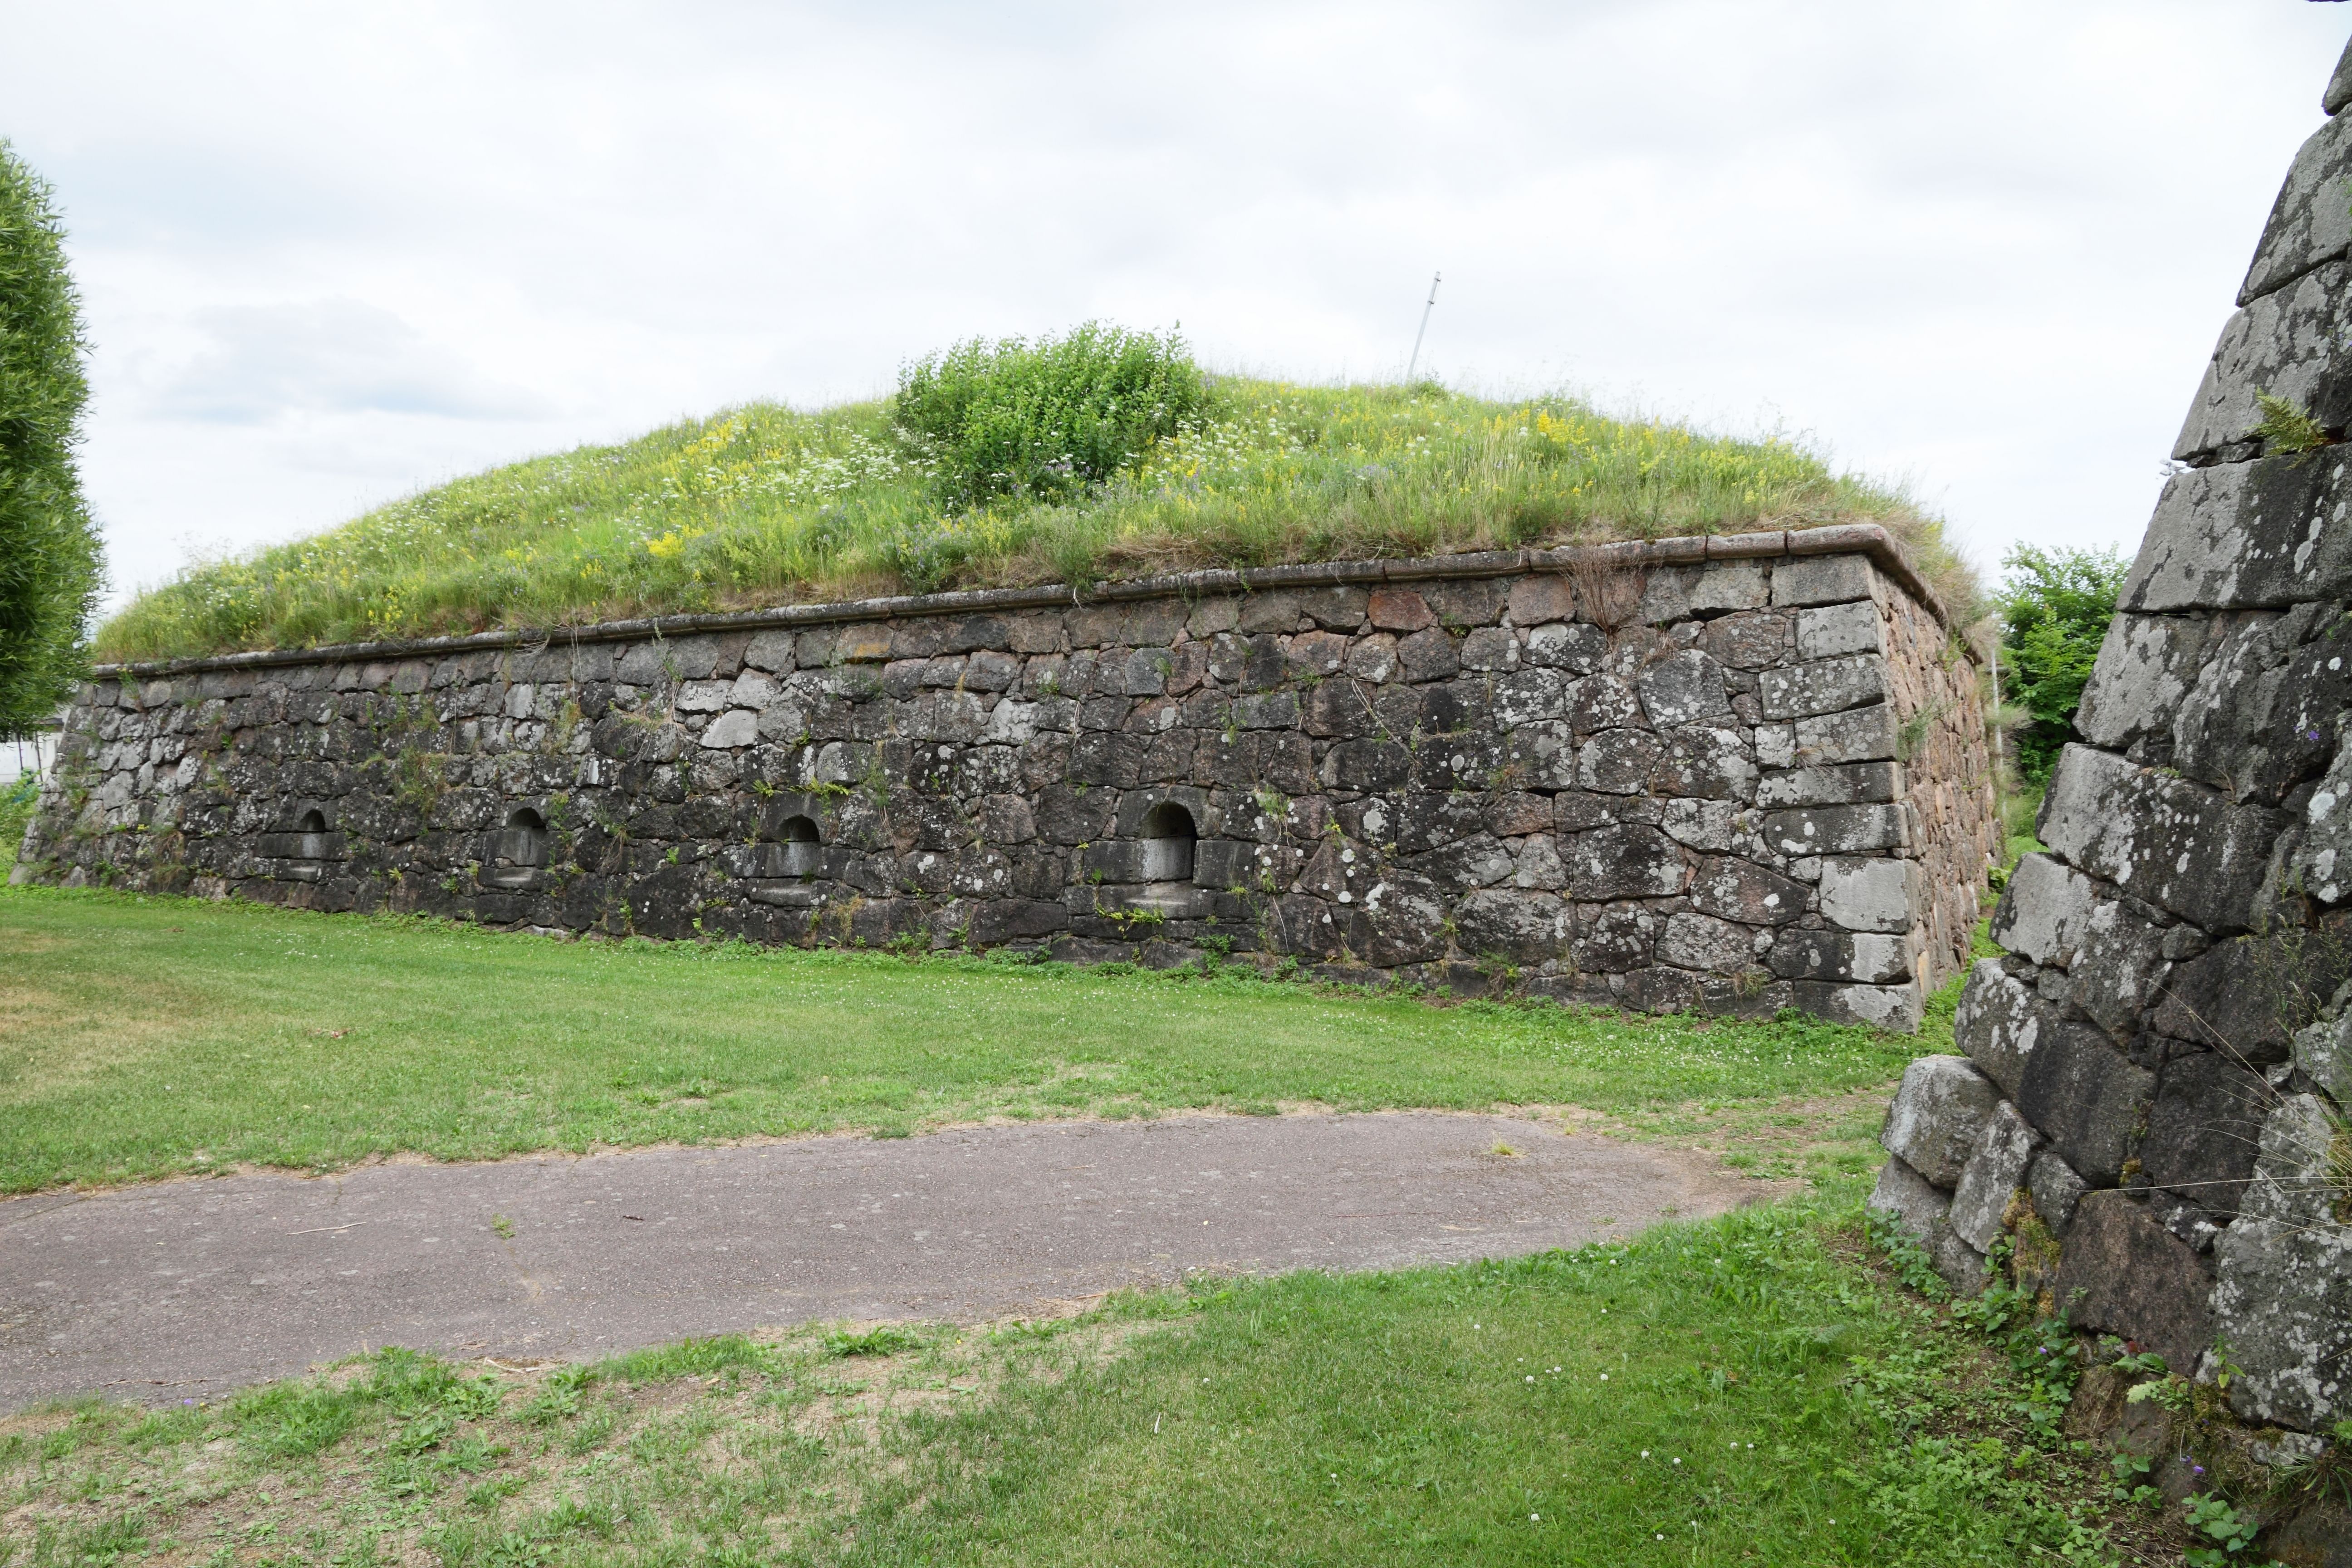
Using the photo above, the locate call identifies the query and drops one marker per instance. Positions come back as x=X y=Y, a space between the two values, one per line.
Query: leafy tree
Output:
x=2054 y=609
x=50 y=567
x=1046 y=418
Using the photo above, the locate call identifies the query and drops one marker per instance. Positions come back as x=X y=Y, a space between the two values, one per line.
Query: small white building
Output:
x=32 y=755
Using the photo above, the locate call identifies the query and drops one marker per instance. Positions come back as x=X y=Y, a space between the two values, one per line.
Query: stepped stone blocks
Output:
x=1735 y=774
x=2170 y=1037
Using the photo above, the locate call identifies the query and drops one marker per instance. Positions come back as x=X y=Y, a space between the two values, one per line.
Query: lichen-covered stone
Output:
x=2136 y=1280
x=2173 y=842
x=1823 y=580
x=2324 y=1051
x=1962 y=1266
x=1730 y=586
x=2284 y=344
x=1852 y=783
x=2188 y=937
x=2119 y=969
x=1938 y=1113
x=1824 y=686
x=2043 y=910
x=1625 y=862
x=1808 y=954
x=1999 y=1021
x=2057 y=1190
x=1738 y=890
x=1995 y=1171
x=1836 y=829
x=1523 y=926
x=2086 y=1096
x=1869 y=893
x=2285 y=1292
x=2244 y=536
x=2144 y=671
x=2311 y=221
x=2338 y=92
x=2241 y=997
x=1915 y=1202
x=2261 y=717
x=1685 y=688
x=1859 y=735
x=736 y=727
x=1835 y=629
x=1705 y=942
x=2204 y=1127
x=2321 y=862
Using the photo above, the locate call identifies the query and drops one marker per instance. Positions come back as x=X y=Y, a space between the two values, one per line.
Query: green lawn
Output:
x=1752 y=1390
x=142 y=1037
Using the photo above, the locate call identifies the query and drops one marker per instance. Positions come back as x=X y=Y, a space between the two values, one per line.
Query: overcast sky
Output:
x=331 y=254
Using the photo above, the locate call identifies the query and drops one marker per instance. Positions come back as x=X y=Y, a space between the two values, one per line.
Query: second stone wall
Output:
x=2152 y=1119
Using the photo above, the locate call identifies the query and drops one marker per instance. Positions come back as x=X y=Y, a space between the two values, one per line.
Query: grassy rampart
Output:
x=765 y=505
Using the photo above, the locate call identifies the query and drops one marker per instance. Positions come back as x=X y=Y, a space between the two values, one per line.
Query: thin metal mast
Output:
x=1435 y=279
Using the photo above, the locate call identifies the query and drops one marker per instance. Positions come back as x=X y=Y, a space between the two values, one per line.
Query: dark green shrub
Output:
x=2055 y=612
x=49 y=561
x=1047 y=418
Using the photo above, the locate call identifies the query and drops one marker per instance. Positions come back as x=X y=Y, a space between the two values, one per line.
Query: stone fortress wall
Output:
x=1736 y=773
x=2152 y=1110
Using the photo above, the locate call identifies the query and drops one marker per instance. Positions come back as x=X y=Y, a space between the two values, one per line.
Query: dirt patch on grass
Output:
x=1780 y=1143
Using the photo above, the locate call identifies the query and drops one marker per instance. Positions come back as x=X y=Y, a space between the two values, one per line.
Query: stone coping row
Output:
x=1841 y=538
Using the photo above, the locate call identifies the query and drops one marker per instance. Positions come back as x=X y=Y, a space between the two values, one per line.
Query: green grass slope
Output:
x=764 y=505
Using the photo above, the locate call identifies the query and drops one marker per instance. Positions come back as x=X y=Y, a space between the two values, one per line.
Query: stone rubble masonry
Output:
x=2169 y=1036
x=1941 y=1114
x=1767 y=789
x=1938 y=1116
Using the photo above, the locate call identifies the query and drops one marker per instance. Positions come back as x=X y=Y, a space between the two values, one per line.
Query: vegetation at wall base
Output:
x=2054 y=609
x=955 y=484
x=50 y=567
x=1759 y=1388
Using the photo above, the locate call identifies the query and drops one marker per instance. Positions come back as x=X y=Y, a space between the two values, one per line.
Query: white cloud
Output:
x=331 y=254
x=264 y=364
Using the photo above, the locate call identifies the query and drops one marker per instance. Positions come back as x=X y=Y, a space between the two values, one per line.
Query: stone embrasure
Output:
x=1736 y=774
x=2168 y=1037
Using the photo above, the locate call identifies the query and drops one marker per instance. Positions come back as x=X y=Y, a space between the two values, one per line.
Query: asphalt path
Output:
x=196 y=1287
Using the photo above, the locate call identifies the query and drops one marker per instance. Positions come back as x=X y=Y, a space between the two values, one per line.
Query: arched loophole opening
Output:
x=1168 y=836
x=310 y=836
x=802 y=852
x=522 y=844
